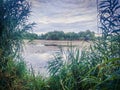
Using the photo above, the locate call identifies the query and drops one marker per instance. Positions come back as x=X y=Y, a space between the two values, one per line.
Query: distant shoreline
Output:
x=63 y=43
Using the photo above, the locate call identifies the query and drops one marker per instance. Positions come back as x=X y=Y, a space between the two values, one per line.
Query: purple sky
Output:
x=64 y=15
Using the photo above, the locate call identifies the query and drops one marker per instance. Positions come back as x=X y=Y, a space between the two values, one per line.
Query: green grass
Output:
x=92 y=69
x=79 y=70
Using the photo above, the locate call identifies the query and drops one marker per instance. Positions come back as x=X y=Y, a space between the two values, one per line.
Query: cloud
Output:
x=66 y=15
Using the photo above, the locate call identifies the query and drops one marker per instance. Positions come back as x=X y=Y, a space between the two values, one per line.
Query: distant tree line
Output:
x=60 y=35
x=29 y=35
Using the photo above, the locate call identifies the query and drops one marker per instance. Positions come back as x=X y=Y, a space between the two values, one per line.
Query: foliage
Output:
x=105 y=55
x=68 y=70
x=60 y=35
x=29 y=35
x=13 y=14
x=12 y=17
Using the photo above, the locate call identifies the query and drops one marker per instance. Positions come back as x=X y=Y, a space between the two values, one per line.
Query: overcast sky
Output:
x=64 y=15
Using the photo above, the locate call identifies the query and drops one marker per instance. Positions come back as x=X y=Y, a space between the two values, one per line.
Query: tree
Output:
x=60 y=35
x=89 y=35
x=71 y=36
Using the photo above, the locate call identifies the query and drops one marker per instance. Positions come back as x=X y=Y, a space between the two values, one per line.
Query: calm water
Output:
x=36 y=54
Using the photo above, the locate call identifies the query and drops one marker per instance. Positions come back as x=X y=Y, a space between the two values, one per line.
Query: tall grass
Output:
x=13 y=14
x=93 y=69
x=99 y=67
x=13 y=72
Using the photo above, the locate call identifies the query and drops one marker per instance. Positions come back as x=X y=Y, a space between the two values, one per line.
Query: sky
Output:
x=63 y=15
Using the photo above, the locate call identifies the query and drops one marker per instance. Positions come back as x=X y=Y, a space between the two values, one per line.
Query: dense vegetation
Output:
x=97 y=68
x=13 y=14
x=29 y=35
x=60 y=35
